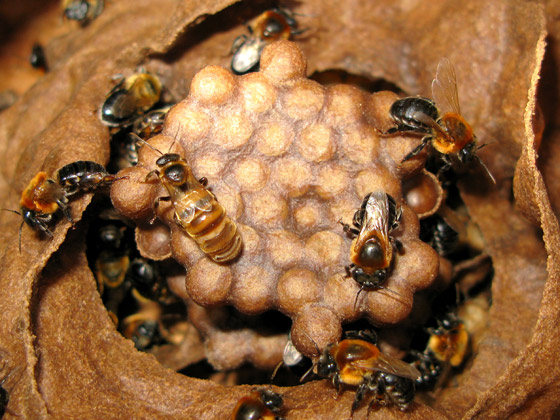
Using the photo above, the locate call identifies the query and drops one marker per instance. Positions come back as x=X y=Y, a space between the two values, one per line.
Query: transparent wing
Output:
x=376 y=218
x=388 y=364
x=444 y=87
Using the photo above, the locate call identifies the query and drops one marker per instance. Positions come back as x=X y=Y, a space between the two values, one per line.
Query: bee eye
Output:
x=175 y=174
x=466 y=154
x=371 y=254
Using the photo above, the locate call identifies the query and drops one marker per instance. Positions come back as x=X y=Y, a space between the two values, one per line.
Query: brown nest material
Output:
x=61 y=354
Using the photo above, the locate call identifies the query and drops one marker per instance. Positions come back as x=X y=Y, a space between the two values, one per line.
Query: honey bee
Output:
x=371 y=252
x=82 y=11
x=151 y=123
x=37 y=57
x=262 y=404
x=270 y=26
x=197 y=211
x=129 y=99
x=448 y=132
x=357 y=362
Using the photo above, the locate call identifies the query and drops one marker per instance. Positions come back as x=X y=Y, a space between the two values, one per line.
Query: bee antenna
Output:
x=390 y=290
x=275 y=371
x=307 y=372
x=486 y=168
x=136 y=138
x=357 y=295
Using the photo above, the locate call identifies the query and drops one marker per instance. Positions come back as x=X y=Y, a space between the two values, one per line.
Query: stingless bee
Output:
x=37 y=57
x=130 y=98
x=447 y=347
x=151 y=123
x=143 y=329
x=82 y=11
x=371 y=252
x=270 y=26
x=196 y=209
x=44 y=196
x=448 y=132
x=356 y=361
x=84 y=176
x=262 y=404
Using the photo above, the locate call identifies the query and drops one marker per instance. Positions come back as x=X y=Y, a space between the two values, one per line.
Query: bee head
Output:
x=467 y=153
x=326 y=365
x=271 y=399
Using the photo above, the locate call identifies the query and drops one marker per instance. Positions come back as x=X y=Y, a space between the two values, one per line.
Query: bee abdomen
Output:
x=216 y=234
x=404 y=112
x=82 y=175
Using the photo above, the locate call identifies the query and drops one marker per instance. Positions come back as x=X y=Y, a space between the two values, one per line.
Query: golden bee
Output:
x=371 y=252
x=270 y=26
x=83 y=11
x=357 y=362
x=262 y=404
x=447 y=131
x=44 y=196
x=447 y=347
x=130 y=98
x=196 y=209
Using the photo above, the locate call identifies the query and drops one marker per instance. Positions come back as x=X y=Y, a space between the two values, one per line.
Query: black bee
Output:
x=145 y=277
x=270 y=26
x=435 y=231
x=262 y=404
x=37 y=58
x=83 y=175
x=82 y=11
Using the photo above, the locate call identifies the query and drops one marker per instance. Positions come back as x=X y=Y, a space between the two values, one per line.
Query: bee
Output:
x=371 y=252
x=448 y=132
x=37 y=57
x=129 y=99
x=40 y=200
x=44 y=196
x=447 y=347
x=262 y=404
x=197 y=211
x=151 y=123
x=449 y=342
x=143 y=329
x=357 y=362
x=439 y=234
x=145 y=277
x=270 y=26
x=82 y=11
x=84 y=176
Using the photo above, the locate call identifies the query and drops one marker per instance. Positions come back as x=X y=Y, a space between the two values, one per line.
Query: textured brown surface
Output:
x=68 y=361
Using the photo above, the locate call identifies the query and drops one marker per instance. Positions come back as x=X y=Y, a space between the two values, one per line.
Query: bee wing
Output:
x=376 y=217
x=430 y=122
x=444 y=87
x=388 y=364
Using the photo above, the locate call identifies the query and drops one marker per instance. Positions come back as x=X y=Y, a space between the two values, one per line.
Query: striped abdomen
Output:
x=206 y=221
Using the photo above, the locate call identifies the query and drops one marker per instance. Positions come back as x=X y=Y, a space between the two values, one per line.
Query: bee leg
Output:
x=348 y=270
x=350 y=231
x=445 y=167
x=155 y=207
x=360 y=393
x=397 y=245
x=418 y=148
x=150 y=175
